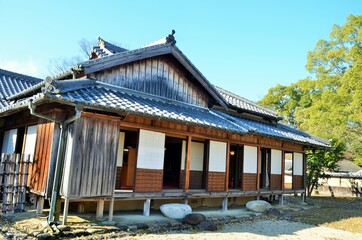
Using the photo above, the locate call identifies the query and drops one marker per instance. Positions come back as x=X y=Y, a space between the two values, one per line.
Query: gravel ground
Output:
x=261 y=229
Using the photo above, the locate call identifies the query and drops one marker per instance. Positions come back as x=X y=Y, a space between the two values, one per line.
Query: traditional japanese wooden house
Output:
x=141 y=127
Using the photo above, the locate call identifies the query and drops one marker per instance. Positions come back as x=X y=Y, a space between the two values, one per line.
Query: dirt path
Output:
x=261 y=229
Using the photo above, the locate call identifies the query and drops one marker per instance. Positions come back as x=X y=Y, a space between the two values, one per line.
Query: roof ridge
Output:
x=110 y=48
x=115 y=55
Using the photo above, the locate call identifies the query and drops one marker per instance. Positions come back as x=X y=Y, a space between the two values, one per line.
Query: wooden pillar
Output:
x=58 y=209
x=283 y=169
x=39 y=204
x=111 y=207
x=227 y=166
x=225 y=203
x=100 y=208
x=65 y=211
x=146 y=207
x=187 y=164
x=80 y=208
x=304 y=171
x=281 y=199
x=258 y=170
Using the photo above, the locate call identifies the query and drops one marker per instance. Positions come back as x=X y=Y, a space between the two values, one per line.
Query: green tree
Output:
x=319 y=162
x=328 y=103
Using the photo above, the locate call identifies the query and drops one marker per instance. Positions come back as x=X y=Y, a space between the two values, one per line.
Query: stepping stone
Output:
x=208 y=226
x=175 y=210
x=194 y=218
x=258 y=206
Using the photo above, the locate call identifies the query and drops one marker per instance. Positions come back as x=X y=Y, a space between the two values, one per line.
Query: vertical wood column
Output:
x=39 y=205
x=100 y=208
x=227 y=167
x=146 y=207
x=187 y=164
x=283 y=169
x=65 y=211
x=111 y=209
x=258 y=170
x=304 y=171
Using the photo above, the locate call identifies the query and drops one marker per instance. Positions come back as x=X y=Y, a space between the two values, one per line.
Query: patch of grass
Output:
x=340 y=213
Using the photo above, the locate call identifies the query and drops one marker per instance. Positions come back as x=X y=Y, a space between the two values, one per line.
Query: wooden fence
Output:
x=14 y=170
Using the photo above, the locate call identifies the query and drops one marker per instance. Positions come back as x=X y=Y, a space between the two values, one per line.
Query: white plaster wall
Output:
x=9 y=141
x=120 y=149
x=217 y=156
x=151 y=150
x=30 y=141
x=197 y=156
x=298 y=164
x=250 y=159
x=183 y=155
x=276 y=161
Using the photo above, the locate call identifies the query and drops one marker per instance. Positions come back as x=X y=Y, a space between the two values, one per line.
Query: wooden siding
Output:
x=293 y=147
x=297 y=182
x=182 y=178
x=161 y=76
x=195 y=179
x=249 y=181
x=216 y=181
x=275 y=181
x=38 y=173
x=92 y=161
x=118 y=178
x=149 y=180
x=271 y=142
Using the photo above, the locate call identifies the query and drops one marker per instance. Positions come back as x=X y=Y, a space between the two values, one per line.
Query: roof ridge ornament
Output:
x=49 y=86
x=170 y=38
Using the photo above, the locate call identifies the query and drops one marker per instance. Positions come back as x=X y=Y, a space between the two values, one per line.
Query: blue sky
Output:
x=243 y=46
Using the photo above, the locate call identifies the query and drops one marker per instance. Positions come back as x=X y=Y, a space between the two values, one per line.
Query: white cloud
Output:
x=28 y=67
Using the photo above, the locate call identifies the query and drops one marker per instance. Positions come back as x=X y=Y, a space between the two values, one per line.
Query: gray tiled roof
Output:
x=12 y=83
x=277 y=130
x=348 y=166
x=105 y=48
x=110 y=98
x=121 y=99
x=114 y=98
x=245 y=105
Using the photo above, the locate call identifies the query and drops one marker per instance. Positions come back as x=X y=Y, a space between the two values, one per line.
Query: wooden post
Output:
x=304 y=171
x=187 y=164
x=225 y=203
x=100 y=208
x=283 y=169
x=65 y=211
x=111 y=207
x=146 y=207
x=281 y=199
x=39 y=205
x=227 y=166
x=258 y=170
x=16 y=189
x=25 y=179
x=80 y=208
x=58 y=209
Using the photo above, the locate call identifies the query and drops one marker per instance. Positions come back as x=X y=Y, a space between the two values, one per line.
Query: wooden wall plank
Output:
x=39 y=171
x=93 y=161
x=159 y=76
